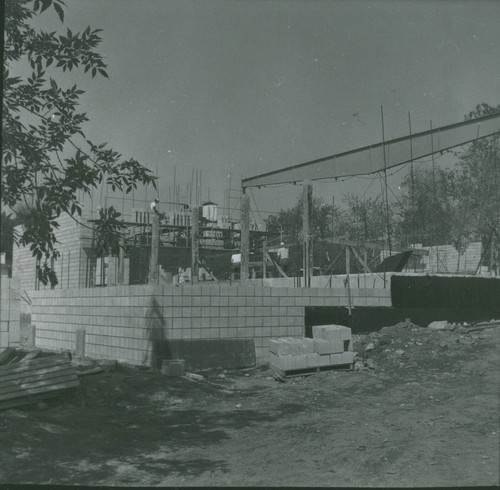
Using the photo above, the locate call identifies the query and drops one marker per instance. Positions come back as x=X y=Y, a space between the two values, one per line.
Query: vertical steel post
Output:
x=306 y=231
x=388 y=221
x=155 y=245
x=195 y=243
x=347 y=277
x=245 y=235
x=121 y=260
x=264 y=265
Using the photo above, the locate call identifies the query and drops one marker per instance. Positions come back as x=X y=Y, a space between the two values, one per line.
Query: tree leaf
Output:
x=45 y=5
x=60 y=11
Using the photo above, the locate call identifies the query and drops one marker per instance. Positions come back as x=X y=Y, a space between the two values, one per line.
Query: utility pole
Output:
x=195 y=243
x=245 y=235
x=306 y=231
x=155 y=245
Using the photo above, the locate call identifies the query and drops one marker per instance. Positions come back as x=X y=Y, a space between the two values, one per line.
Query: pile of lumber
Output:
x=28 y=377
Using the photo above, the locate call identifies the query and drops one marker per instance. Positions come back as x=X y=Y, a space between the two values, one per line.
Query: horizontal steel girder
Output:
x=370 y=159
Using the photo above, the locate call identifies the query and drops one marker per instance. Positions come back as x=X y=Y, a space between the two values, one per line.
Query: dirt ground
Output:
x=420 y=410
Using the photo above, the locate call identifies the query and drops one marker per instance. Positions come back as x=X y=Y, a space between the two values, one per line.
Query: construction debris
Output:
x=194 y=377
x=27 y=382
x=441 y=325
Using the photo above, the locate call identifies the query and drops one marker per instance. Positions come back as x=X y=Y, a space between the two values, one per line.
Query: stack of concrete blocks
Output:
x=334 y=342
x=331 y=345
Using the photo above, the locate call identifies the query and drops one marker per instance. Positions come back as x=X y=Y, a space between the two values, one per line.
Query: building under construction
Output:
x=189 y=274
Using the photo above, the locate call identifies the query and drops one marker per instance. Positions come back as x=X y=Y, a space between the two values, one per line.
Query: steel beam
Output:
x=370 y=159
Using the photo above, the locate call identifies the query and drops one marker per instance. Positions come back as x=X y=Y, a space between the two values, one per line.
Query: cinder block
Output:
x=318 y=332
x=278 y=360
x=307 y=345
x=322 y=346
x=289 y=362
x=298 y=362
x=347 y=357
x=299 y=346
x=345 y=332
x=314 y=360
x=331 y=332
x=324 y=360
x=294 y=347
x=283 y=347
x=336 y=359
x=336 y=346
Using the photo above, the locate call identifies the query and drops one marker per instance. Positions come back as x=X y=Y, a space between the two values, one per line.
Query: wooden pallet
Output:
x=24 y=383
x=10 y=355
x=307 y=371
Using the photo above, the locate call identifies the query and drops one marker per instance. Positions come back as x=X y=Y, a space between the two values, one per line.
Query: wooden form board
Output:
x=26 y=382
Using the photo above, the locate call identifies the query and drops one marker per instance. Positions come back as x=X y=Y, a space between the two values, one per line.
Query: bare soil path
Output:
x=425 y=417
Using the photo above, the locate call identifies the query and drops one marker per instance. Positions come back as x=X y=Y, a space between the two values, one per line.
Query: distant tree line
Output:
x=436 y=206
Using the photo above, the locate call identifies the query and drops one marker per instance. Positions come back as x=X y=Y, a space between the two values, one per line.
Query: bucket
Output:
x=173 y=367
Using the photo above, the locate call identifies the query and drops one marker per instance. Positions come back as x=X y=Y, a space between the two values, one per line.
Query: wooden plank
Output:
x=39 y=369
x=35 y=364
x=42 y=387
x=35 y=376
x=280 y=270
x=5 y=355
x=29 y=399
x=46 y=373
x=11 y=355
x=360 y=260
x=308 y=371
x=13 y=381
x=63 y=383
x=31 y=355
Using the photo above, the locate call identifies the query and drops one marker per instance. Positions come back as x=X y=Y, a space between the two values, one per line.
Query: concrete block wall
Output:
x=24 y=267
x=9 y=313
x=124 y=322
x=356 y=281
x=71 y=265
x=445 y=258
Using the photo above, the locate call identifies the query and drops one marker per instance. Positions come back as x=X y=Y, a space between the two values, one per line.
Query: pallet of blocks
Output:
x=330 y=347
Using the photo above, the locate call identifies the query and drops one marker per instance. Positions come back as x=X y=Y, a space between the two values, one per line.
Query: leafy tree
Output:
x=288 y=222
x=426 y=207
x=107 y=234
x=6 y=235
x=477 y=182
x=365 y=218
x=454 y=205
x=46 y=158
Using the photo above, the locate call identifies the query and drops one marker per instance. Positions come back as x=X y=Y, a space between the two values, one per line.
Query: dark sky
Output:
x=241 y=87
